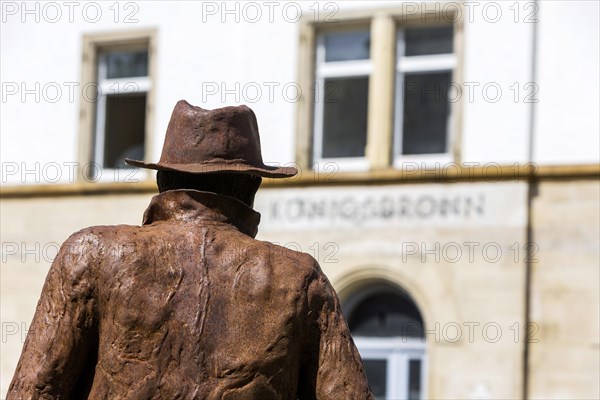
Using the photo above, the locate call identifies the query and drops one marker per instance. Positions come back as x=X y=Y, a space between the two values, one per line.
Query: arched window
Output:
x=389 y=332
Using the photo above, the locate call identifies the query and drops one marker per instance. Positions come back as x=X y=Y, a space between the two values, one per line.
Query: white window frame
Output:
x=334 y=69
x=384 y=22
x=397 y=352
x=113 y=87
x=410 y=64
x=93 y=46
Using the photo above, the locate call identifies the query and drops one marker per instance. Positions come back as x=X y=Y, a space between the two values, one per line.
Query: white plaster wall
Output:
x=196 y=54
x=568 y=72
x=566 y=79
x=497 y=54
x=190 y=52
x=196 y=51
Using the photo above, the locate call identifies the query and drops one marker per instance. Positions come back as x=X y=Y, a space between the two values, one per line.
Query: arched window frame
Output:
x=398 y=352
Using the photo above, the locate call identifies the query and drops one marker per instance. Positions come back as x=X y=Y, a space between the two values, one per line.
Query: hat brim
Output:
x=233 y=167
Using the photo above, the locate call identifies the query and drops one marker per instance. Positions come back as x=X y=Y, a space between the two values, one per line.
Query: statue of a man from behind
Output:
x=189 y=305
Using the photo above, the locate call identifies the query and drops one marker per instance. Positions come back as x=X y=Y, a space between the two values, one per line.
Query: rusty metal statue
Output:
x=189 y=305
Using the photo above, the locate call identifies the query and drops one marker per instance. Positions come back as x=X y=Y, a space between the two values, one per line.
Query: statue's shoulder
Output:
x=102 y=234
x=78 y=255
x=93 y=241
x=288 y=257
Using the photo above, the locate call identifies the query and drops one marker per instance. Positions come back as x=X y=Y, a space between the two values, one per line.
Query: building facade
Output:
x=448 y=152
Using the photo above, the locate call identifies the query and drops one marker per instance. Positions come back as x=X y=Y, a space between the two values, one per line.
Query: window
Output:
x=121 y=107
x=389 y=333
x=115 y=118
x=342 y=70
x=382 y=90
x=425 y=62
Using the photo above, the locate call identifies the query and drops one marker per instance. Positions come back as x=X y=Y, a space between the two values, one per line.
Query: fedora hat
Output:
x=200 y=141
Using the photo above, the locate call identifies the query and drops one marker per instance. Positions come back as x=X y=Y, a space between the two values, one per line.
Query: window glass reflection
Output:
x=426 y=41
x=344 y=46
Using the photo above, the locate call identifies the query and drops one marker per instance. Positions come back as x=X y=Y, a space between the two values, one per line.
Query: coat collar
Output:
x=196 y=206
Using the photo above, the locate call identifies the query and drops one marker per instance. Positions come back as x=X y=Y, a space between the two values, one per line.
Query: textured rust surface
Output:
x=187 y=306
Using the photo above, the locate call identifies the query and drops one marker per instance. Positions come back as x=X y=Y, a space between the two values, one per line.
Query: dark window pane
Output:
x=386 y=315
x=345 y=117
x=376 y=371
x=414 y=380
x=425 y=41
x=127 y=64
x=124 y=129
x=426 y=113
x=341 y=46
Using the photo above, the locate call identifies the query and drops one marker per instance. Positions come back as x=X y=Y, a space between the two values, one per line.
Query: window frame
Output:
x=92 y=117
x=418 y=64
x=142 y=84
x=398 y=352
x=385 y=24
x=335 y=69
